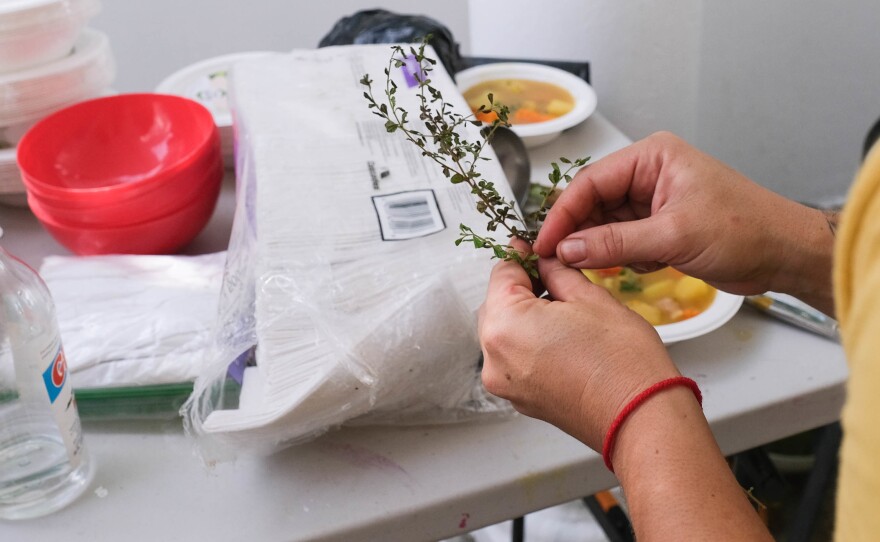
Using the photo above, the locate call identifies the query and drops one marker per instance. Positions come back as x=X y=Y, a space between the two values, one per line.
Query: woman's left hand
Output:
x=574 y=361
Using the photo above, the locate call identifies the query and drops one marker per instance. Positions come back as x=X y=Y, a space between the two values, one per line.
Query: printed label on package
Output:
x=407 y=215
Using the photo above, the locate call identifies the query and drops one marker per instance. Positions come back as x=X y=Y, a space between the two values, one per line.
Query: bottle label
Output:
x=61 y=400
x=55 y=376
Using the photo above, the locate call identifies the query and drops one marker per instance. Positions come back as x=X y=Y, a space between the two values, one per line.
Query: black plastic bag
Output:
x=381 y=26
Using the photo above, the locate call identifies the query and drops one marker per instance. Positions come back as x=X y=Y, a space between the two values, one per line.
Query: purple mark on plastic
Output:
x=236 y=368
x=360 y=457
x=412 y=71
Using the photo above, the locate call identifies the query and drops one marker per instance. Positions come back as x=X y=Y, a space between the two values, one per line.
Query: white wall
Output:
x=154 y=38
x=785 y=91
x=788 y=90
x=782 y=90
x=643 y=55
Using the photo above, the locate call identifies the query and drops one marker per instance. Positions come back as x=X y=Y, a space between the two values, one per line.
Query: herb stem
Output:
x=458 y=157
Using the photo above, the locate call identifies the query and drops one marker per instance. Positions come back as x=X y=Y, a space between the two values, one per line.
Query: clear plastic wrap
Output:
x=134 y=320
x=342 y=275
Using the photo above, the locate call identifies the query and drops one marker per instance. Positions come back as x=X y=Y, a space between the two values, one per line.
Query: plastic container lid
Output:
x=34 y=92
x=38 y=35
x=21 y=14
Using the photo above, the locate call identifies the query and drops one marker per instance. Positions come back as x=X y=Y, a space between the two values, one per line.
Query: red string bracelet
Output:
x=611 y=435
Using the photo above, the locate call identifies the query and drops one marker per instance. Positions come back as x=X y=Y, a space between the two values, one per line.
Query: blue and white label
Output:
x=49 y=362
x=55 y=376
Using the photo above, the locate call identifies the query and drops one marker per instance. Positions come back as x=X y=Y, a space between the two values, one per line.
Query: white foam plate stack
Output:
x=48 y=61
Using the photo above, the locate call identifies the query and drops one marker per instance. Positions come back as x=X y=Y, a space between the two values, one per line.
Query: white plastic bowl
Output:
x=538 y=133
x=722 y=309
x=34 y=93
x=33 y=32
x=206 y=82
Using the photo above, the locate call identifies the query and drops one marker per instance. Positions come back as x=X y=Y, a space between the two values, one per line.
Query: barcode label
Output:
x=406 y=215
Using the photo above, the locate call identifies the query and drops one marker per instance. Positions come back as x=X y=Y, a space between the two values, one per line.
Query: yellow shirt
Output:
x=857 y=295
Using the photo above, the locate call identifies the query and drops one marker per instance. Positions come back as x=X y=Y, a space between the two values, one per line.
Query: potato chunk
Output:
x=649 y=312
x=690 y=291
x=659 y=290
x=557 y=107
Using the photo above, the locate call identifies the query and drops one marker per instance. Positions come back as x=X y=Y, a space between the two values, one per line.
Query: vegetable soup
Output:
x=662 y=297
x=529 y=101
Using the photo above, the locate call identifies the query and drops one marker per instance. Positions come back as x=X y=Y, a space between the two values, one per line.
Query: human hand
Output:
x=662 y=202
x=573 y=362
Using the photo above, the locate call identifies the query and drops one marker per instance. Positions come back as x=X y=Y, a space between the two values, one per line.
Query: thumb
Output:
x=618 y=243
x=564 y=283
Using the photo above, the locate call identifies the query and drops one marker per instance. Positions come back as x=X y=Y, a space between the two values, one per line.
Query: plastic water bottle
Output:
x=43 y=463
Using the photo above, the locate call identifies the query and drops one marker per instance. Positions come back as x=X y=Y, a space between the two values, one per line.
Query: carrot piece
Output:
x=689 y=313
x=527 y=116
x=487 y=116
x=609 y=272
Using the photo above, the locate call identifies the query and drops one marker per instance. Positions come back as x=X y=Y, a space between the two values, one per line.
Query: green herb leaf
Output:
x=441 y=141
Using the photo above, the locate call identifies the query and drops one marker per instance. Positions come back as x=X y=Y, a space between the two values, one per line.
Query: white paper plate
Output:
x=722 y=309
x=206 y=83
x=537 y=133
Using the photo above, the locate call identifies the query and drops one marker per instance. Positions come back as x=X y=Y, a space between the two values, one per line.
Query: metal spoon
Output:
x=514 y=161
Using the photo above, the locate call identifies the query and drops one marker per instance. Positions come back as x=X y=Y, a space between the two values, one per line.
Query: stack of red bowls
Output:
x=125 y=174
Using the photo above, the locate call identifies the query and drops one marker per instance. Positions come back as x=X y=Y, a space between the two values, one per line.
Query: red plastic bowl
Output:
x=101 y=150
x=187 y=189
x=169 y=189
x=164 y=235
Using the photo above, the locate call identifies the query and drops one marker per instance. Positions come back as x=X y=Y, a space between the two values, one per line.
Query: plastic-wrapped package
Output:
x=342 y=269
x=134 y=320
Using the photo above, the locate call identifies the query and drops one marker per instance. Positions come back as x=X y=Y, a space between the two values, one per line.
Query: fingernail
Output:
x=573 y=250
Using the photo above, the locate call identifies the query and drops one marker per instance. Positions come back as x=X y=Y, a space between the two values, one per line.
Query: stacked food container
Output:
x=48 y=60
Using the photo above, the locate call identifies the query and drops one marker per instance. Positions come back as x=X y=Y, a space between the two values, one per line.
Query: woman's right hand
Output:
x=662 y=202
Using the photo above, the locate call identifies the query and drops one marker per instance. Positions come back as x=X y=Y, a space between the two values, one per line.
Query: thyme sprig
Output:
x=441 y=141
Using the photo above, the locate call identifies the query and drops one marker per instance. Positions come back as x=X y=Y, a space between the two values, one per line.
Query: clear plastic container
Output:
x=32 y=93
x=10 y=176
x=33 y=32
x=43 y=463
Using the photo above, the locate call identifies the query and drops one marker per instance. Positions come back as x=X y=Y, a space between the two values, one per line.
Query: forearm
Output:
x=805 y=258
x=677 y=483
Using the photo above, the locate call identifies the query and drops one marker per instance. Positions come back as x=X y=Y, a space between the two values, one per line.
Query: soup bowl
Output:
x=680 y=307
x=536 y=133
x=723 y=308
